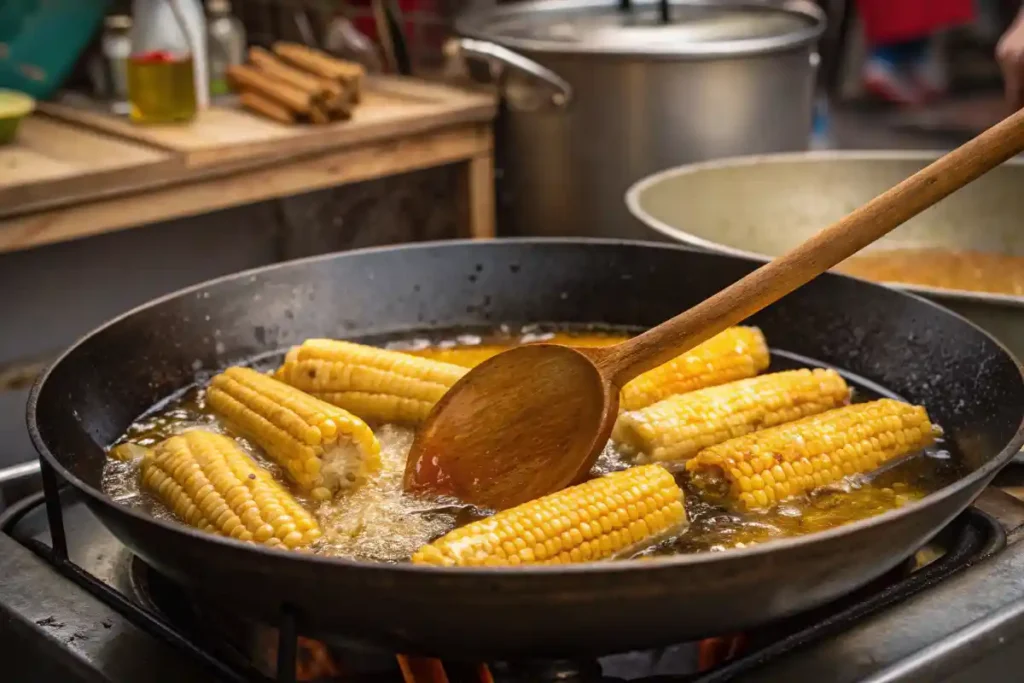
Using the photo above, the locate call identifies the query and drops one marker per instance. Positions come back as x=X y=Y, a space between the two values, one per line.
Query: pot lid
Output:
x=695 y=29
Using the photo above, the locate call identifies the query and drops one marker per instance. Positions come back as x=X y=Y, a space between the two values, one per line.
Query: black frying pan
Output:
x=969 y=383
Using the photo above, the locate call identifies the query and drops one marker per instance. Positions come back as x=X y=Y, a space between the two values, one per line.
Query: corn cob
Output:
x=471 y=355
x=321 y=447
x=375 y=384
x=756 y=471
x=599 y=519
x=464 y=356
x=678 y=427
x=210 y=483
x=737 y=353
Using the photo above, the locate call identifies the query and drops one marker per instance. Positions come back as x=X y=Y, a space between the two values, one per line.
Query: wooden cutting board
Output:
x=51 y=158
x=392 y=107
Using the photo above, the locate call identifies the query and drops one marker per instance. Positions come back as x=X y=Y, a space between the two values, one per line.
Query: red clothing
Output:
x=894 y=21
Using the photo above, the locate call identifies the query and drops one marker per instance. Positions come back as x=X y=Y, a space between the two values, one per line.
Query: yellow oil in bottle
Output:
x=161 y=87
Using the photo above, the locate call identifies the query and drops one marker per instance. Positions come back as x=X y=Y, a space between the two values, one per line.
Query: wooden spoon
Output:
x=533 y=419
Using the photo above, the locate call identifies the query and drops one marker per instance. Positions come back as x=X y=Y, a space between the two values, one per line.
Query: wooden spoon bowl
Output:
x=565 y=387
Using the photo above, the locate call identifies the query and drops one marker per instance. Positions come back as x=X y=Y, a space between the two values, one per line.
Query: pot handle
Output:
x=503 y=58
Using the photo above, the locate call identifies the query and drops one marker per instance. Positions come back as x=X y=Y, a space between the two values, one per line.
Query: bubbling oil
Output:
x=378 y=522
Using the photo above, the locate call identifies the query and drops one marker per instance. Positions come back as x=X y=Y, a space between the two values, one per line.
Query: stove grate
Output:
x=972 y=537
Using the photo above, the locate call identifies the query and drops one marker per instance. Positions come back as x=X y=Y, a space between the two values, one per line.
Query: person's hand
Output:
x=1010 y=54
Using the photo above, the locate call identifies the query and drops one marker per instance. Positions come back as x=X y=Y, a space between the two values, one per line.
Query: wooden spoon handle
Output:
x=825 y=249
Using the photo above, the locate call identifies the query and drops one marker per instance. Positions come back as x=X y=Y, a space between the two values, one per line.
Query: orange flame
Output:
x=428 y=670
x=484 y=674
x=713 y=652
x=313 y=661
x=421 y=669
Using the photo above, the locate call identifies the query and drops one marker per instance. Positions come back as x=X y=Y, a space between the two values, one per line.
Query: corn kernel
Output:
x=372 y=383
x=226 y=493
x=321 y=447
x=861 y=437
x=679 y=426
x=736 y=353
x=604 y=529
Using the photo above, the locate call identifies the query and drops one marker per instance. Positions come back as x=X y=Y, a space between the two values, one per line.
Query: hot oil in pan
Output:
x=378 y=523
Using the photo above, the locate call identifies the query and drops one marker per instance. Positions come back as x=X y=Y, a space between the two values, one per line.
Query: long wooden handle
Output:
x=825 y=249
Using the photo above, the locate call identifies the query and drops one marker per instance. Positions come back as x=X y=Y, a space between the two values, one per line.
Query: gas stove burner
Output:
x=550 y=671
x=241 y=650
x=162 y=597
x=247 y=643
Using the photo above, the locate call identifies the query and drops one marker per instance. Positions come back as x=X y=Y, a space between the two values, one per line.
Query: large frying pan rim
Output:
x=521 y=573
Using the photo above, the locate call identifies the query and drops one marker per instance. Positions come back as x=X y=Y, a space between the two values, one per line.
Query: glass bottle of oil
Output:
x=161 y=72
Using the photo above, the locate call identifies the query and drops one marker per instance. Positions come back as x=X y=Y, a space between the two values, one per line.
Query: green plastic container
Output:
x=14 y=106
x=40 y=41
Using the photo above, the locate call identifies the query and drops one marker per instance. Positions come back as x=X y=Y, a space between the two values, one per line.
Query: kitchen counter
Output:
x=74 y=172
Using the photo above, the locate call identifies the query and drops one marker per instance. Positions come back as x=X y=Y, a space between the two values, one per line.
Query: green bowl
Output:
x=14 y=106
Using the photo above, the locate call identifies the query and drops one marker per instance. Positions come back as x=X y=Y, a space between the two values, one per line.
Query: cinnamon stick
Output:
x=340 y=106
x=320 y=63
x=355 y=91
x=250 y=78
x=261 y=105
x=341 y=114
x=319 y=115
x=303 y=80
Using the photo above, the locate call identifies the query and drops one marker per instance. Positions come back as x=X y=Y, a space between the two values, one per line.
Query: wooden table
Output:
x=74 y=172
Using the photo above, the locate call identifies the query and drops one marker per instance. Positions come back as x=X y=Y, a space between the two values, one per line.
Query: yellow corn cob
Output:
x=210 y=483
x=737 y=353
x=471 y=355
x=463 y=356
x=602 y=518
x=758 y=470
x=680 y=426
x=323 y=448
x=375 y=384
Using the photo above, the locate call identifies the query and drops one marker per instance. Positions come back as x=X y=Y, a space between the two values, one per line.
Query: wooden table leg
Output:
x=477 y=197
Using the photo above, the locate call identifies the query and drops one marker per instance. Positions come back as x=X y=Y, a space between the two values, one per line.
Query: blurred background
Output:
x=963 y=52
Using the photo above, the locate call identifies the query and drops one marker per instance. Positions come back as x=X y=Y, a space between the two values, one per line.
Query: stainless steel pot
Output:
x=763 y=205
x=598 y=97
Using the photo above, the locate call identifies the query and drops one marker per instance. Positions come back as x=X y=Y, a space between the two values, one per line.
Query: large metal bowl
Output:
x=760 y=206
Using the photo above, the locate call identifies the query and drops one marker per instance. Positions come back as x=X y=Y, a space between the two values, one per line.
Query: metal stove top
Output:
x=964 y=622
